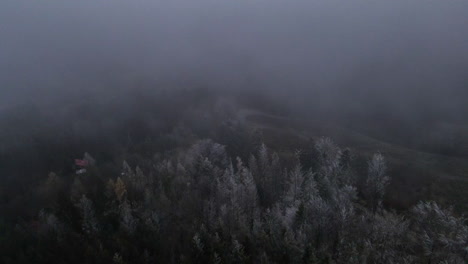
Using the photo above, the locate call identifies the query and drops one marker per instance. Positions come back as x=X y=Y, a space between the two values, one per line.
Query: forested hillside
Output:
x=197 y=184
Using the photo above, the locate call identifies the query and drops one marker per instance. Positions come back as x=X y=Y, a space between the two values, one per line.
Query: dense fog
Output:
x=405 y=57
x=233 y=131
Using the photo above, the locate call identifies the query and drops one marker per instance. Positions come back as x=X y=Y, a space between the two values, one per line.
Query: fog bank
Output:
x=401 y=56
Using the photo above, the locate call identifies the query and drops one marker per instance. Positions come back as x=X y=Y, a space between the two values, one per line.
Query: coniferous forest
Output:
x=199 y=185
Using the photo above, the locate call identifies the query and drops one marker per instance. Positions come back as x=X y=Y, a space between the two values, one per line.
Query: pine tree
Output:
x=89 y=223
x=127 y=220
x=376 y=181
x=442 y=235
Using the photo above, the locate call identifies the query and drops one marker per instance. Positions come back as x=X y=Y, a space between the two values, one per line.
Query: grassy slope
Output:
x=415 y=174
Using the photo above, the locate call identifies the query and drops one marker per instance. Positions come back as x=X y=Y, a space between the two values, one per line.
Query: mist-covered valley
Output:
x=233 y=131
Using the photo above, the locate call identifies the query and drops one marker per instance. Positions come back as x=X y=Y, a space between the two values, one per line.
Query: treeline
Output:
x=199 y=205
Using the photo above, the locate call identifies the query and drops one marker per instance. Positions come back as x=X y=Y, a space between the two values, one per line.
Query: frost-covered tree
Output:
x=386 y=238
x=198 y=205
x=50 y=222
x=296 y=181
x=89 y=223
x=127 y=220
x=330 y=169
x=268 y=175
x=376 y=181
x=441 y=235
x=207 y=149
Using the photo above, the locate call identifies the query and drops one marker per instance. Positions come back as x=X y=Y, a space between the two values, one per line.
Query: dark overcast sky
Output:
x=394 y=54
